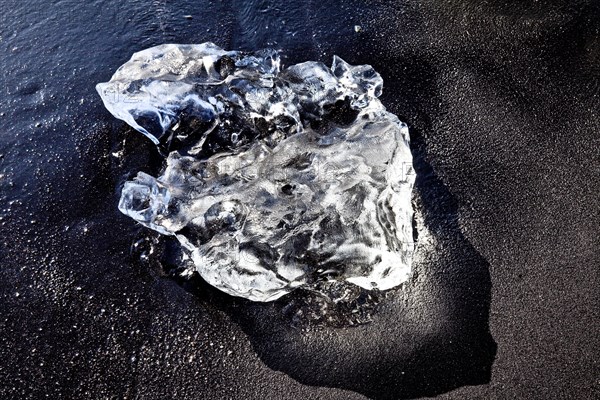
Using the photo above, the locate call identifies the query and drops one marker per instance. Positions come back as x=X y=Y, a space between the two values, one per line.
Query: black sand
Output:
x=502 y=101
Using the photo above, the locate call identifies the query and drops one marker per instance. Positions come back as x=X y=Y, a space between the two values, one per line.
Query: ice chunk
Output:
x=281 y=178
x=161 y=85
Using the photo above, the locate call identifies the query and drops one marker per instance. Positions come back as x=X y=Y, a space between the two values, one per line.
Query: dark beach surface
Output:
x=502 y=100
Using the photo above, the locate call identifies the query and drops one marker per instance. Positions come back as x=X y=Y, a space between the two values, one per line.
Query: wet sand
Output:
x=502 y=103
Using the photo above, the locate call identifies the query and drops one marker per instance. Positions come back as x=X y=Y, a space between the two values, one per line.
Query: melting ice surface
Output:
x=280 y=177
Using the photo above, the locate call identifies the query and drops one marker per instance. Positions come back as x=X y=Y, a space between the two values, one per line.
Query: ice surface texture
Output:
x=281 y=178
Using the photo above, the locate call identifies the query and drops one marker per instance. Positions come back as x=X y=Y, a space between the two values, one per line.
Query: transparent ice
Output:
x=276 y=178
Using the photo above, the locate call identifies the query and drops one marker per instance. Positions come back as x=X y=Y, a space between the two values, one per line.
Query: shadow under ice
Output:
x=428 y=337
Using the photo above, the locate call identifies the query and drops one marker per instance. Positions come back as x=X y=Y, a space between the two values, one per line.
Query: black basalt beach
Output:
x=501 y=99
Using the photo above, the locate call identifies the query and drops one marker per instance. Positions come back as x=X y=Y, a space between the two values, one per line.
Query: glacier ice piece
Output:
x=280 y=177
